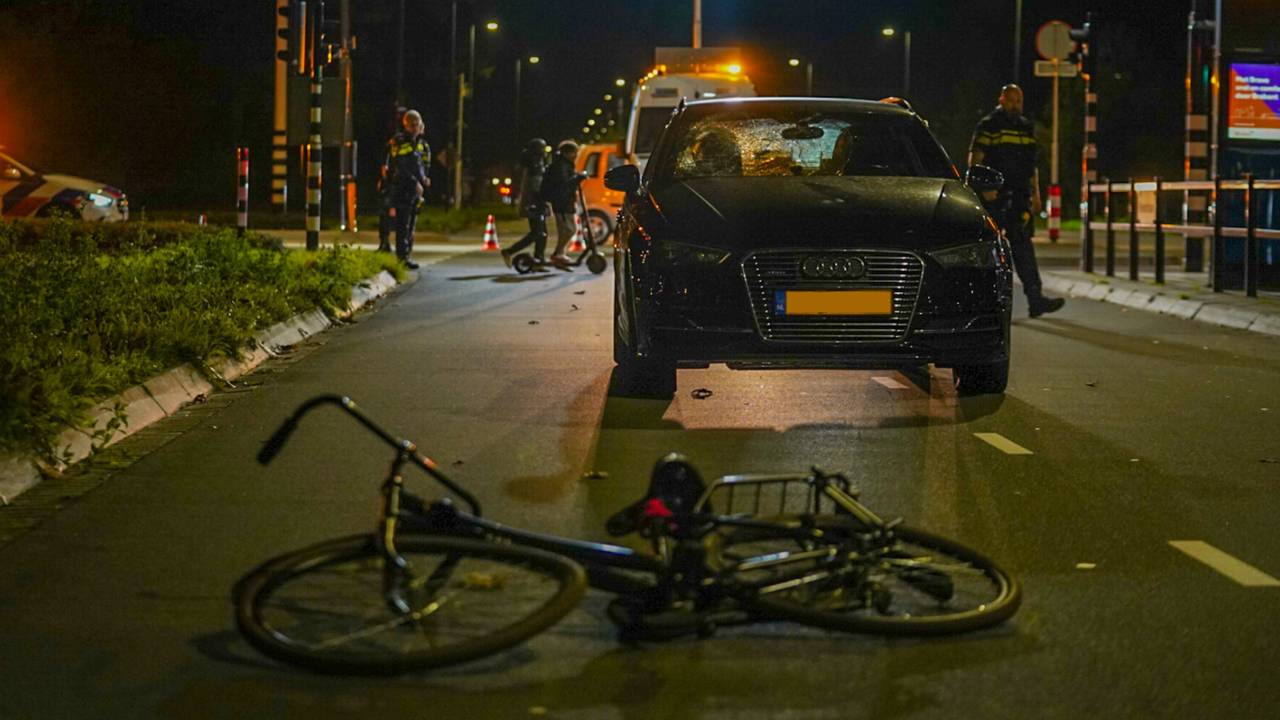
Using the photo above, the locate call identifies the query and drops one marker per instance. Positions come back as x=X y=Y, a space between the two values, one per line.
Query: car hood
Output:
x=893 y=212
x=79 y=183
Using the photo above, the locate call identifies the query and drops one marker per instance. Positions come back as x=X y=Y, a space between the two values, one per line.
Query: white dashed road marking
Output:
x=1236 y=569
x=889 y=382
x=1002 y=443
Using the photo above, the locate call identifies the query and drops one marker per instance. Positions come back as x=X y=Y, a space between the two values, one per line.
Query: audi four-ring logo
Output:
x=833 y=266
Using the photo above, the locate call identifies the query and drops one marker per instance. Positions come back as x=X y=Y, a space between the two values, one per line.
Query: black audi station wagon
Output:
x=806 y=233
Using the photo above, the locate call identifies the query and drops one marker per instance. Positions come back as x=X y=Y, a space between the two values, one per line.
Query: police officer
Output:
x=386 y=224
x=533 y=163
x=406 y=181
x=1005 y=140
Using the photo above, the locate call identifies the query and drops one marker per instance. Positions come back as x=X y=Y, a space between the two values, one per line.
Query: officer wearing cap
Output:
x=406 y=181
x=1005 y=140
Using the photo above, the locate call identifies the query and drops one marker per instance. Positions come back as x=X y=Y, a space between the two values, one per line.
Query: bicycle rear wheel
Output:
x=324 y=607
x=918 y=584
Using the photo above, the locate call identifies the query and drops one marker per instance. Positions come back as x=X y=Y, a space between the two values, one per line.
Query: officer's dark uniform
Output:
x=1008 y=144
x=406 y=172
x=533 y=160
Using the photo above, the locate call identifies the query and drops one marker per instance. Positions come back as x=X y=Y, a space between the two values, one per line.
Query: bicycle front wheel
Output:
x=917 y=584
x=334 y=607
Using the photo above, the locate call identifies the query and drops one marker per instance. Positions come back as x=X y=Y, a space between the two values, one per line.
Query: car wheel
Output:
x=985 y=379
x=635 y=376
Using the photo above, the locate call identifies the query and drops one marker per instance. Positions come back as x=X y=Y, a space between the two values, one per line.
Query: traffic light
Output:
x=293 y=30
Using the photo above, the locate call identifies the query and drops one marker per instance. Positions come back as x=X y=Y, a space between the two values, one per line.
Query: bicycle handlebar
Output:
x=407 y=448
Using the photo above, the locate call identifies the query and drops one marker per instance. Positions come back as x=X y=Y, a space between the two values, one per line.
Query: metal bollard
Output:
x=1250 y=240
x=1111 y=233
x=1086 y=247
x=1159 y=237
x=1133 y=231
x=1219 y=242
x=242 y=191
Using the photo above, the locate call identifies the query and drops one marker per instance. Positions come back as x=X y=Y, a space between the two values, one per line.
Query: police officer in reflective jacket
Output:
x=406 y=181
x=1005 y=140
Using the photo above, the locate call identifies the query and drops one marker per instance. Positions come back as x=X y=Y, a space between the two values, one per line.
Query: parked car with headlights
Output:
x=25 y=192
x=806 y=233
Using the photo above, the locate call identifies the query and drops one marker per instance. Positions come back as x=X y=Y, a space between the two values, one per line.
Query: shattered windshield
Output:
x=760 y=142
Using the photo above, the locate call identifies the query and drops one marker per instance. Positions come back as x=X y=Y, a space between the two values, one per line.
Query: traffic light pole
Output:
x=280 y=116
x=347 y=171
x=314 y=147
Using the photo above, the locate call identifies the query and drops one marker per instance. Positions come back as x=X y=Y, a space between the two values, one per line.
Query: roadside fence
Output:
x=1109 y=191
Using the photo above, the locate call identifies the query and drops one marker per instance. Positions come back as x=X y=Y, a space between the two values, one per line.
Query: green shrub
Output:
x=92 y=309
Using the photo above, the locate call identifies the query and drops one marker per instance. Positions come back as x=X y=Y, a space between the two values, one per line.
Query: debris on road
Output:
x=701 y=393
x=458 y=462
x=1271 y=461
x=579 y=292
x=534 y=322
x=1086 y=566
x=595 y=475
x=574 y=306
x=1092 y=383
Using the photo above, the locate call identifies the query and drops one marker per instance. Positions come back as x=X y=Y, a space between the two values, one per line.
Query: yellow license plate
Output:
x=833 y=302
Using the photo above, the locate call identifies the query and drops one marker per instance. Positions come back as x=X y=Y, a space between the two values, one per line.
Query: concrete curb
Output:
x=1233 y=315
x=120 y=416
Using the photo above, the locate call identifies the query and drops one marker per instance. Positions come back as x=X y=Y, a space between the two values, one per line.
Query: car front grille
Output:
x=769 y=271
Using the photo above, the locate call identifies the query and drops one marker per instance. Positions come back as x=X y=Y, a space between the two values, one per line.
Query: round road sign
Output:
x=1053 y=41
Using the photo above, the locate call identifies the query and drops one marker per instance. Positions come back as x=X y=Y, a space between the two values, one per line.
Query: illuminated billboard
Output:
x=1253 y=107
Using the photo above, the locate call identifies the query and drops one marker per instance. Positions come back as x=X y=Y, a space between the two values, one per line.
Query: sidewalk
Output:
x=1185 y=295
x=424 y=242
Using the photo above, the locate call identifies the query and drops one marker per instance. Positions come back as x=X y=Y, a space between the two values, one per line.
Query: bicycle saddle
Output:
x=674 y=489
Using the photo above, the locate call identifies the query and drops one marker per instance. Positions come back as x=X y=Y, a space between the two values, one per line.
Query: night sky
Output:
x=154 y=95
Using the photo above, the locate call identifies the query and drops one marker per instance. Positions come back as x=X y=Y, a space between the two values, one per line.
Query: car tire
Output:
x=635 y=376
x=984 y=379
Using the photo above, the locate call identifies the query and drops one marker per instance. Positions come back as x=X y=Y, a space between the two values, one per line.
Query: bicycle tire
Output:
x=987 y=595
x=314 y=584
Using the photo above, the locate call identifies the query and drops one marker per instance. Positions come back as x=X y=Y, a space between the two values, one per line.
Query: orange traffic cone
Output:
x=577 y=244
x=490 y=236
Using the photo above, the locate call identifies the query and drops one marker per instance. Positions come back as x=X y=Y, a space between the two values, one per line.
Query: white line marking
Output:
x=1002 y=444
x=889 y=382
x=1236 y=569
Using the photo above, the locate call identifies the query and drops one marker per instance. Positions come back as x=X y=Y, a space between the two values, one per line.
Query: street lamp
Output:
x=620 y=83
x=466 y=88
x=533 y=60
x=906 y=62
x=808 y=74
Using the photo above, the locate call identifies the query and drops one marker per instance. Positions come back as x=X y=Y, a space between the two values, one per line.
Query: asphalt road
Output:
x=1139 y=430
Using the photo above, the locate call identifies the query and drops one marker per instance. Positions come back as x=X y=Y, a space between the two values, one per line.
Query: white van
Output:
x=681 y=73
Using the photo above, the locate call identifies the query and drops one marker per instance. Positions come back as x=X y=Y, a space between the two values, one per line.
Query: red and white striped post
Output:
x=242 y=190
x=1055 y=211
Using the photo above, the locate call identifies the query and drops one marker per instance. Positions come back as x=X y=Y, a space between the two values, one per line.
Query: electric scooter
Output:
x=524 y=263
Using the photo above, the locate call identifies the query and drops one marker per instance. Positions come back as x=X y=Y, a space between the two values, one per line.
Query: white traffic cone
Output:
x=490 y=236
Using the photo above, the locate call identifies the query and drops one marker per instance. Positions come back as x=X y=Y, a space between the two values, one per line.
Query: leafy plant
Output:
x=91 y=309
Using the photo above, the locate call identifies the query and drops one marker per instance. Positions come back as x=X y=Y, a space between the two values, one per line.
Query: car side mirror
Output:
x=12 y=172
x=984 y=179
x=624 y=178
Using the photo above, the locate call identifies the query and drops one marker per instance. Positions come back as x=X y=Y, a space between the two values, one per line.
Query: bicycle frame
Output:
x=678 y=567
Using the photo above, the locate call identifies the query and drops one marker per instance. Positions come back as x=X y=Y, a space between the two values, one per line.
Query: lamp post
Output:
x=533 y=60
x=466 y=87
x=808 y=74
x=906 y=57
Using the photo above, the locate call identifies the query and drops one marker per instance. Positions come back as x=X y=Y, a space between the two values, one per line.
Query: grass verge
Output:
x=92 y=309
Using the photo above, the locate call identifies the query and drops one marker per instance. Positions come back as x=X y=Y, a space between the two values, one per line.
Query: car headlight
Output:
x=102 y=201
x=981 y=255
x=680 y=252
